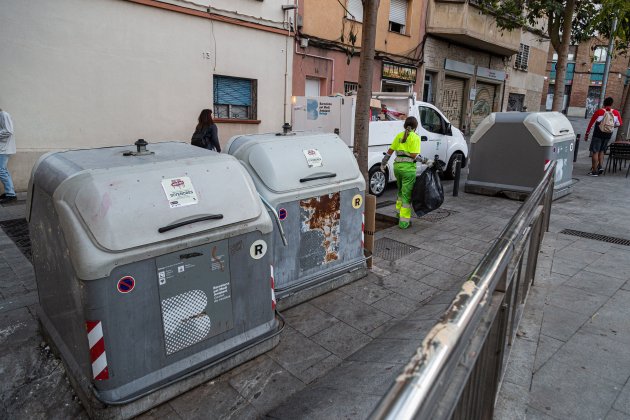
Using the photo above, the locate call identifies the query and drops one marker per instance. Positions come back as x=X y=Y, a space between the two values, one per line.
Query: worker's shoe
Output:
x=7 y=199
x=593 y=173
x=404 y=225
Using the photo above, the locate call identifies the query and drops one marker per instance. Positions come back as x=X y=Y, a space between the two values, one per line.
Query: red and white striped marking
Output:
x=547 y=163
x=273 y=291
x=97 y=350
x=362 y=231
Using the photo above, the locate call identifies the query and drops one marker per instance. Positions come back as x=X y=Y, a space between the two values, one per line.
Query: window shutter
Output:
x=355 y=7
x=398 y=12
x=232 y=91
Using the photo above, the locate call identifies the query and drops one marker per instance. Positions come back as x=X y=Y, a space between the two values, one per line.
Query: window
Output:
x=427 y=93
x=350 y=88
x=355 y=10
x=234 y=98
x=599 y=56
x=522 y=58
x=430 y=120
x=398 y=15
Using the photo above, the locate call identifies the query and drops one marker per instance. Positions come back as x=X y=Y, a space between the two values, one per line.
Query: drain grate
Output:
x=438 y=214
x=391 y=250
x=596 y=237
x=17 y=231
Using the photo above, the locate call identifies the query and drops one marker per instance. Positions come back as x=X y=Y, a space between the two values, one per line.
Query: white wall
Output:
x=78 y=73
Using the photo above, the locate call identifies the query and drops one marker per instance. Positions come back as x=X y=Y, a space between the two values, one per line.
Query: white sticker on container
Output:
x=179 y=191
x=258 y=249
x=313 y=158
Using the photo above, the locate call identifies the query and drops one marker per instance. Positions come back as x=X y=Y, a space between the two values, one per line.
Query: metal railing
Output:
x=457 y=371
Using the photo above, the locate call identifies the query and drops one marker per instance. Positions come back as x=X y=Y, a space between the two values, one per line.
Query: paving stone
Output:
x=341 y=340
x=576 y=300
x=387 y=351
x=396 y=305
x=521 y=362
x=617 y=415
x=376 y=378
x=567 y=267
x=561 y=323
x=547 y=347
x=264 y=383
x=578 y=254
x=595 y=283
x=622 y=403
x=614 y=314
x=353 y=312
x=443 y=281
x=319 y=369
x=472 y=258
x=412 y=269
x=322 y=403
x=448 y=250
x=430 y=311
x=609 y=268
x=533 y=414
x=216 y=396
x=366 y=291
x=566 y=392
x=164 y=411
x=550 y=280
x=409 y=287
x=511 y=403
x=409 y=329
x=612 y=363
x=296 y=353
x=17 y=327
x=308 y=319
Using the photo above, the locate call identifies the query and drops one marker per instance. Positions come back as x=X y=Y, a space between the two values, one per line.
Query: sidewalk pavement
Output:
x=339 y=352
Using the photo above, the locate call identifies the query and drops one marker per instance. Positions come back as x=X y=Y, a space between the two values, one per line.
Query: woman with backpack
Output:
x=605 y=120
x=206 y=134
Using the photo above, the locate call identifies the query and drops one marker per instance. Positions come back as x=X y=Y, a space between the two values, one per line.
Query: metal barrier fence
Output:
x=457 y=371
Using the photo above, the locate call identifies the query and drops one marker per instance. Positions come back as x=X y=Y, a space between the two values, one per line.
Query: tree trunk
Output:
x=364 y=94
x=563 y=52
x=625 y=116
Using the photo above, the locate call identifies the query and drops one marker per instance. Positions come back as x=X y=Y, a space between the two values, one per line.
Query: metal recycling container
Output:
x=510 y=151
x=313 y=182
x=150 y=265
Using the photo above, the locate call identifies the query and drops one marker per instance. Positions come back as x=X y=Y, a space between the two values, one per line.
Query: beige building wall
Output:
x=81 y=74
x=527 y=85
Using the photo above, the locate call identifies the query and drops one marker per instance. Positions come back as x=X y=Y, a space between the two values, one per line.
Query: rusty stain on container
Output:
x=324 y=215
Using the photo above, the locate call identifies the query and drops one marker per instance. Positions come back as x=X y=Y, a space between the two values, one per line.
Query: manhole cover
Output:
x=438 y=214
x=17 y=231
x=391 y=250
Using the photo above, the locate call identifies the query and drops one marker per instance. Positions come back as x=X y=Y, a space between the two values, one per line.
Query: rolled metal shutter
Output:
x=355 y=7
x=398 y=11
x=483 y=104
x=452 y=100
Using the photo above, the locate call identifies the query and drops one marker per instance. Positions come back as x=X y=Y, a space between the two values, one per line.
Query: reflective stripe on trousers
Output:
x=405 y=179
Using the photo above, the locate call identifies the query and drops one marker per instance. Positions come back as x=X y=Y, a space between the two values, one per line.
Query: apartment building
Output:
x=328 y=43
x=584 y=77
x=79 y=74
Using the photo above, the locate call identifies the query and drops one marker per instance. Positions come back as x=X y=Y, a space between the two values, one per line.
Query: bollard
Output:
x=370 y=227
x=577 y=147
x=458 y=171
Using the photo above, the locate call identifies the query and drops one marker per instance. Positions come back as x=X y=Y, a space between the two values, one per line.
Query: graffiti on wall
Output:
x=451 y=106
x=482 y=107
x=592 y=100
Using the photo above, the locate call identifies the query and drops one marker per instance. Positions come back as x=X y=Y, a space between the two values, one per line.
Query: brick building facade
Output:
x=585 y=70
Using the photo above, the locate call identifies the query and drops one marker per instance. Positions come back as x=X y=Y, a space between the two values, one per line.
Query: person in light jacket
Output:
x=7 y=148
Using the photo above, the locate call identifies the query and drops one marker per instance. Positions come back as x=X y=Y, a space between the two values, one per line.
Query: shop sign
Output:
x=399 y=72
x=458 y=66
x=491 y=74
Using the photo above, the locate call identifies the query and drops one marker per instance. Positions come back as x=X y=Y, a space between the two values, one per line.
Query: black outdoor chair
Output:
x=618 y=153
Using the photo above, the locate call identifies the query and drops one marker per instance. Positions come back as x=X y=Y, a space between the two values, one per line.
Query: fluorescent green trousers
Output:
x=405 y=173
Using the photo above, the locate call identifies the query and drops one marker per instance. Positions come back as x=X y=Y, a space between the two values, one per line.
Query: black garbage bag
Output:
x=428 y=194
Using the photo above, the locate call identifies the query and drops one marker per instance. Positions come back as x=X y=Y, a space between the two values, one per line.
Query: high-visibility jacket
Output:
x=404 y=150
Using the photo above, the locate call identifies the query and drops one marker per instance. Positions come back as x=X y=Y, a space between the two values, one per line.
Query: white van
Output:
x=389 y=110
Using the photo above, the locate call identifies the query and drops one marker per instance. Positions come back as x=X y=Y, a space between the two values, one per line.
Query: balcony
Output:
x=462 y=22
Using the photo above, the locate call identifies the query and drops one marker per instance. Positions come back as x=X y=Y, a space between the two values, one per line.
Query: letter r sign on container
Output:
x=258 y=249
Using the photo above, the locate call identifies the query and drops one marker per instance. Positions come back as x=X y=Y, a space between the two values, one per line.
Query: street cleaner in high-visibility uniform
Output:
x=407 y=147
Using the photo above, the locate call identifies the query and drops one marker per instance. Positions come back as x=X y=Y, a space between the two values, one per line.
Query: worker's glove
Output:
x=428 y=162
x=421 y=159
x=384 y=162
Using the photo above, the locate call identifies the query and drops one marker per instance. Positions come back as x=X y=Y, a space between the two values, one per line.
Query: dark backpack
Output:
x=200 y=138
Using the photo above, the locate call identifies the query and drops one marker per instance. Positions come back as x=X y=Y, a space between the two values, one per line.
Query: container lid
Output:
x=297 y=162
x=125 y=207
x=555 y=123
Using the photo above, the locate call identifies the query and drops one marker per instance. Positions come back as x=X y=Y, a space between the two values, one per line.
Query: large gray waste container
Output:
x=510 y=151
x=314 y=183
x=149 y=268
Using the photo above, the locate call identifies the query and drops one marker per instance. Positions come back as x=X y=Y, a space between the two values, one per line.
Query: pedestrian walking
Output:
x=407 y=147
x=206 y=133
x=605 y=120
x=7 y=148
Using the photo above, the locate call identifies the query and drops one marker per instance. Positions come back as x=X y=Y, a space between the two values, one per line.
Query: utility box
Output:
x=510 y=151
x=313 y=183
x=153 y=270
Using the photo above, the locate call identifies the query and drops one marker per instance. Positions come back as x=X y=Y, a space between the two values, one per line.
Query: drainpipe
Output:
x=332 y=79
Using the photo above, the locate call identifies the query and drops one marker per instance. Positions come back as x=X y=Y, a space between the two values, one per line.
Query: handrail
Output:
x=416 y=390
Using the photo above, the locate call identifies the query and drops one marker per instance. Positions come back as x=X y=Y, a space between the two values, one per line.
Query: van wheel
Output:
x=378 y=181
x=449 y=172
